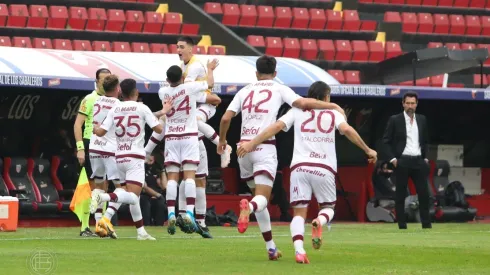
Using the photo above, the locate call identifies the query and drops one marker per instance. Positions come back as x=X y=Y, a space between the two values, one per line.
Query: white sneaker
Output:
x=225 y=157
x=95 y=201
x=145 y=237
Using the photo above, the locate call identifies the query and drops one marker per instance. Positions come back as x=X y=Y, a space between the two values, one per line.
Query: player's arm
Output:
x=163 y=181
x=210 y=77
x=77 y=130
x=152 y=121
x=107 y=124
x=294 y=100
x=355 y=138
x=208 y=98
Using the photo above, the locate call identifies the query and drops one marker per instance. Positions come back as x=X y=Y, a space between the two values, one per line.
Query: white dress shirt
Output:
x=412 y=147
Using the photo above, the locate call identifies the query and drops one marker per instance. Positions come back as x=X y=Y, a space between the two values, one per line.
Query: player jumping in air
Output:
x=314 y=162
x=259 y=104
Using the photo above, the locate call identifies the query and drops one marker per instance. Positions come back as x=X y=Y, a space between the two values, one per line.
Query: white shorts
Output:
x=202 y=168
x=181 y=151
x=131 y=169
x=206 y=111
x=306 y=180
x=103 y=166
x=262 y=161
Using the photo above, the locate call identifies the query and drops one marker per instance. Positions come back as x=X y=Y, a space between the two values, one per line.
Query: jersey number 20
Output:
x=304 y=125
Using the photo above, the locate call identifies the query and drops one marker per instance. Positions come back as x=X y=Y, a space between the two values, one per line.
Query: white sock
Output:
x=121 y=196
x=264 y=221
x=325 y=215
x=297 y=232
x=201 y=206
x=100 y=206
x=190 y=195
x=208 y=131
x=182 y=202
x=135 y=210
x=154 y=140
x=258 y=203
x=111 y=209
x=171 y=196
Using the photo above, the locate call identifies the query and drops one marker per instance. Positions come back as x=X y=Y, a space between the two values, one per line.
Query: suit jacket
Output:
x=395 y=136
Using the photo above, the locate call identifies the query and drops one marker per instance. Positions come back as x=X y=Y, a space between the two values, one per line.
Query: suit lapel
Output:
x=403 y=123
x=419 y=126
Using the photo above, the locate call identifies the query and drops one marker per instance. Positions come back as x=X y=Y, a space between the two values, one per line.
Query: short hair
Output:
x=186 y=39
x=110 y=83
x=411 y=94
x=174 y=74
x=319 y=90
x=101 y=71
x=266 y=64
x=128 y=86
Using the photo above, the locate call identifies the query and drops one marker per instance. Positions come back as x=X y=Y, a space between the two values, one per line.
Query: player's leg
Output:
x=114 y=176
x=173 y=173
x=190 y=161
x=182 y=206
x=99 y=176
x=201 y=173
x=246 y=174
x=300 y=196
x=326 y=195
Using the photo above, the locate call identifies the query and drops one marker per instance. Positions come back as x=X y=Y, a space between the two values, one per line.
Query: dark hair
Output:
x=319 y=90
x=174 y=74
x=266 y=64
x=101 y=71
x=186 y=39
x=128 y=87
x=110 y=83
x=411 y=94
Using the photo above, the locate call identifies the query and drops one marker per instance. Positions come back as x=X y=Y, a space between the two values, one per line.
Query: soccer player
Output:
x=102 y=149
x=259 y=103
x=314 y=162
x=85 y=116
x=181 y=138
x=129 y=119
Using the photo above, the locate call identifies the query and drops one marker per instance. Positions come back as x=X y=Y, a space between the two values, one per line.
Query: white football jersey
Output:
x=259 y=103
x=182 y=120
x=107 y=143
x=314 y=135
x=128 y=119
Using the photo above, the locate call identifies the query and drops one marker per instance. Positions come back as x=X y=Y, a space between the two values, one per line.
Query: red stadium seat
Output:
x=249 y=15
x=22 y=42
x=42 y=43
x=273 y=46
x=426 y=23
x=461 y=3
x=369 y=25
x=213 y=8
x=39 y=16
x=292 y=47
x=318 y=19
x=82 y=45
x=4 y=13
x=453 y=46
x=445 y=3
x=437 y=80
x=360 y=51
x=265 y=16
x=484 y=46
x=153 y=22
x=78 y=18
x=414 y=2
x=326 y=49
x=58 y=17
x=485 y=25
x=115 y=20
x=351 y=20
x=217 y=50
x=409 y=21
x=376 y=51
x=473 y=25
x=138 y=47
x=62 y=44
x=199 y=50
x=477 y=80
x=480 y=4
x=97 y=19
x=393 y=49
x=172 y=48
x=231 y=14
x=429 y=2
x=352 y=77
x=134 y=21
x=283 y=17
x=392 y=17
x=441 y=23
x=172 y=23
x=458 y=25
x=434 y=45
x=159 y=48
x=122 y=47
x=396 y=2
x=337 y=74
x=5 y=41
x=468 y=46
x=18 y=16
x=190 y=29
x=101 y=46
x=256 y=41
x=343 y=50
x=424 y=82
x=146 y=1
x=334 y=20
x=309 y=49
x=301 y=18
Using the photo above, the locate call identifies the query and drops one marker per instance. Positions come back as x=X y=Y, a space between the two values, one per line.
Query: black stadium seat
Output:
x=41 y=177
x=4 y=191
x=16 y=178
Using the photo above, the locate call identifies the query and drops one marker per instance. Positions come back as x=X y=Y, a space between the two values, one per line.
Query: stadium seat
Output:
x=369 y=25
x=317 y=19
x=392 y=17
x=468 y=46
x=4 y=13
x=190 y=29
x=437 y=80
x=101 y=46
x=145 y=1
x=5 y=41
x=248 y=15
x=273 y=46
x=138 y=47
x=265 y=16
x=392 y=49
x=42 y=43
x=343 y=50
x=352 y=77
x=97 y=19
x=58 y=17
x=18 y=16
x=486 y=46
x=256 y=41
x=479 y=4
x=15 y=174
x=172 y=48
x=122 y=47
x=326 y=49
x=351 y=20
x=159 y=48
x=424 y=82
x=334 y=20
x=231 y=14
x=337 y=74
x=153 y=22
x=441 y=23
x=477 y=80
x=213 y=8
x=41 y=177
x=473 y=25
x=283 y=17
x=172 y=23
x=409 y=22
x=82 y=45
x=134 y=21
x=77 y=18
x=435 y=45
x=445 y=3
x=309 y=49
x=360 y=51
x=485 y=25
x=292 y=48
x=39 y=16
x=199 y=50
x=461 y=3
x=414 y=2
x=426 y=23
x=115 y=20
x=22 y=42
x=458 y=25
x=217 y=50
x=376 y=51
x=4 y=191
x=453 y=46
x=62 y=44
x=301 y=18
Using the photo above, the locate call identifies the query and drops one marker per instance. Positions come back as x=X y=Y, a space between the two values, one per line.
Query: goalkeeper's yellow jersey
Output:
x=194 y=70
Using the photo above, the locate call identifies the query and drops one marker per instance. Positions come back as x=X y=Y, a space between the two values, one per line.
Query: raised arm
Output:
x=210 y=77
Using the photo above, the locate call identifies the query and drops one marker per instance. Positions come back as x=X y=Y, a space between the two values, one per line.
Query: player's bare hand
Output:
x=221 y=147
x=213 y=64
x=81 y=156
x=244 y=148
x=167 y=105
x=372 y=156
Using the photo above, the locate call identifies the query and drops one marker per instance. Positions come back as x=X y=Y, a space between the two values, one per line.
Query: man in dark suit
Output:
x=406 y=145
